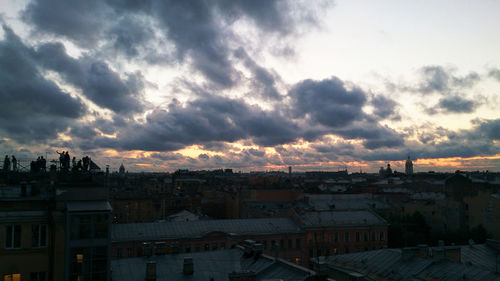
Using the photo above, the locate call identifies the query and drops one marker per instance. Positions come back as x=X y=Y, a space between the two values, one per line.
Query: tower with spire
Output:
x=409 y=166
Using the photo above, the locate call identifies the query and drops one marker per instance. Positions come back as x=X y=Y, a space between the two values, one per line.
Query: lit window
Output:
x=12 y=277
x=79 y=258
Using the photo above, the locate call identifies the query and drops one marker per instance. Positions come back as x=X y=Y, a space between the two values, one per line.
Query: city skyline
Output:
x=161 y=86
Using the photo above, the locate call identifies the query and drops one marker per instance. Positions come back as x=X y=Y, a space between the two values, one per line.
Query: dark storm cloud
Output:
x=437 y=79
x=98 y=82
x=495 y=73
x=374 y=135
x=263 y=81
x=385 y=107
x=200 y=30
x=81 y=21
x=327 y=102
x=32 y=108
x=204 y=120
x=454 y=104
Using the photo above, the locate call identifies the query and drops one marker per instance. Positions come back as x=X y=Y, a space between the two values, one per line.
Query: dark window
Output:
x=290 y=244
x=39 y=235
x=282 y=244
x=197 y=247
x=346 y=236
x=311 y=252
x=297 y=243
x=206 y=247
x=374 y=236
x=13 y=236
x=119 y=252
x=89 y=226
x=357 y=237
x=365 y=234
x=346 y=251
x=265 y=244
x=130 y=252
x=382 y=238
x=38 y=276
x=187 y=248
x=336 y=237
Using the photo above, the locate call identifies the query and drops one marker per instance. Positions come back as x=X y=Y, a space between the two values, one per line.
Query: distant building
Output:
x=338 y=232
x=409 y=166
x=281 y=236
x=121 y=170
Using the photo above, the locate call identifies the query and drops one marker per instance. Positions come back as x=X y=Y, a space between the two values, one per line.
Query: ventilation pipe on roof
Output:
x=188 y=266
x=151 y=271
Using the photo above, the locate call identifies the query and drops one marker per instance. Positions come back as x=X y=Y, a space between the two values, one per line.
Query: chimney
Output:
x=188 y=266
x=407 y=253
x=453 y=254
x=438 y=254
x=257 y=249
x=151 y=271
x=242 y=276
x=422 y=251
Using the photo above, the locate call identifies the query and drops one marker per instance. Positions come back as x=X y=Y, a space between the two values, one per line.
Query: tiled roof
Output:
x=207 y=265
x=195 y=229
x=477 y=263
x=341 y=218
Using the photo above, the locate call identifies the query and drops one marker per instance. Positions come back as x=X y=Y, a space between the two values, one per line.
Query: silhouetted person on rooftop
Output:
x=67 y=159
x=14 y=163
x=6 y=163
x=61 y=159
x=73 y=162
x=86 y=163
x=43 y=164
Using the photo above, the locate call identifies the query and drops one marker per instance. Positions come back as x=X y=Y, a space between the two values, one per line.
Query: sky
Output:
x=253 y=85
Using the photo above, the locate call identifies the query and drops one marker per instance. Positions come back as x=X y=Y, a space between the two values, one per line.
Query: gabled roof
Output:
x=197 y=229
x=207 y=265
x=341 y=218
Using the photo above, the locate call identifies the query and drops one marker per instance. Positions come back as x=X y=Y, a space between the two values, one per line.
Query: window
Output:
x=346 y=236
x=13 y=237
x=382 y=236
x=89 y=226
x=130 y=252
x=311 y=252
x=290 y=244
x=357 y=237
x=206 y=247
x=298 y=260
x=336 y=237
x=282 y=244
x=119 y=252
x=297 y=243
x=334 y=251
x=374 y=236
x=12 y=277
x=223 y=245
x=38 y=276
x=39 y=235
x=187 y=248
x=365 y=234
x=89 y=264
x=265 y=244
x=214 y=246
x=346 y=251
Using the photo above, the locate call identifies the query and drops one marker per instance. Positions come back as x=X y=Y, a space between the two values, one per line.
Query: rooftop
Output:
x=195 y=229
x=212 y=265
x=341 y=218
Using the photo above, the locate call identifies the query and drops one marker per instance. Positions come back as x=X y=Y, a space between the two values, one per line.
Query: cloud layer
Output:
x=68 y=85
